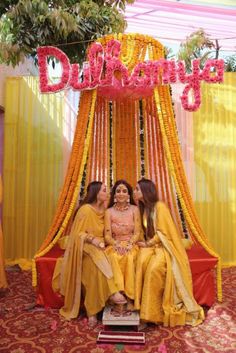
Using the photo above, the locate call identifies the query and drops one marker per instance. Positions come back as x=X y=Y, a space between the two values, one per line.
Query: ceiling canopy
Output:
x=171 y=21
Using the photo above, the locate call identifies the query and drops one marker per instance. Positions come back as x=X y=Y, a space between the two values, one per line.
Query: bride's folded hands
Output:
x=122 y=248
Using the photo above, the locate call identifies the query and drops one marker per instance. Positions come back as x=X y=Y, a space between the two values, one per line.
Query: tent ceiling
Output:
x=171 y=21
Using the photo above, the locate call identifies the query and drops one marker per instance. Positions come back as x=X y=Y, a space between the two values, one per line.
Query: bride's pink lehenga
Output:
x=123 y=230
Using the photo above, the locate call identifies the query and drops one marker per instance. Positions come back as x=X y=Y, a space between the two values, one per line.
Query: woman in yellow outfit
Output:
x=85 y=262
x=122 y=231
x=163 y=277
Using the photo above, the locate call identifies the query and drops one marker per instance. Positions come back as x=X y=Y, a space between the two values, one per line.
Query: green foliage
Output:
x=230 y=63
x=196 y=46
x=168 y=53
x=27 y=24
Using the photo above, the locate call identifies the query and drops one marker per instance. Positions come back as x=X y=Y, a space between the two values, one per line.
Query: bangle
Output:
x=89 y=239
x=101 y=244
x=150 y=242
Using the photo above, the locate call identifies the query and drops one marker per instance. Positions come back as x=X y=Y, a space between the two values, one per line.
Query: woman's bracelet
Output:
x=151 y=242
x=89 y=239
x=101 y=245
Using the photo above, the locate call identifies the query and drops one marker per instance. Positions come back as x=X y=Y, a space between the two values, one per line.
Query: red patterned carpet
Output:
x=25 y=328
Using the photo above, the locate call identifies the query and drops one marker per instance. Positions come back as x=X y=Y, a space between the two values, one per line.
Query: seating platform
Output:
x=202 y=267
x=124 y=318
x=45 y=267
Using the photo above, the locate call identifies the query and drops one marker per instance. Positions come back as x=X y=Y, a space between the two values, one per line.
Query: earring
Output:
x=128 y=200
x=115 y=200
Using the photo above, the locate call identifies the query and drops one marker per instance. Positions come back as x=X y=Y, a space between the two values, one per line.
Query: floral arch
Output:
x=128 y=134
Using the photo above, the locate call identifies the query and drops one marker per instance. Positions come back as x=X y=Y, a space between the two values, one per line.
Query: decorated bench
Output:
x=202 y=267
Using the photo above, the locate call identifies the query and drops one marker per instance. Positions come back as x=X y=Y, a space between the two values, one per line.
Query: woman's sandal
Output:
x=92 y=321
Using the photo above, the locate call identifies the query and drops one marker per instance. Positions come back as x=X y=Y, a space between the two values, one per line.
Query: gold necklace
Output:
x=121 y=208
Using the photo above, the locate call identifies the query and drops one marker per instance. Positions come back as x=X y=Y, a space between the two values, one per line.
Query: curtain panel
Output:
x=207 y=140
x=38 y=134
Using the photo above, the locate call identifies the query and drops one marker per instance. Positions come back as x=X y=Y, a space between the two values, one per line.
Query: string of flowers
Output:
x=145 y=138
x=137 y=140
x=157 y=160
x=157 y=167
x=160 y=163
x=142 y=140
x=132 y=142
x=107 y=136
x=103 y=141
x=89 y=163
x=118 y=131
x=98 y=142
x=148 y=139
x=111 y=169
x=151 y=145
x=114 y=115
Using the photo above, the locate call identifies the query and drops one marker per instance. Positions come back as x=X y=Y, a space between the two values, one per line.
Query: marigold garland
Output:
x=158 y=119
x=145 y=135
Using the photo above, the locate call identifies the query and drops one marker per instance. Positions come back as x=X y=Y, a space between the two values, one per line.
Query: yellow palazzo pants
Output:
x=123 y=267
x=97 y=287
x=150 y=284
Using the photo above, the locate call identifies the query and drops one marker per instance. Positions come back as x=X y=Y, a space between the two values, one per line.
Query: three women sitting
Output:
x=144 y=263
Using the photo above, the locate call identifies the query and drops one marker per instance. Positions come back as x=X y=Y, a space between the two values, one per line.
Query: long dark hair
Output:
x=93 y=189
x=113 y=191
x=150 y=199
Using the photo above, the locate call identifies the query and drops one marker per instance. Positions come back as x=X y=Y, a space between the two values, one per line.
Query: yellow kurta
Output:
x=124 y=227
x=3 y=280
x=163 y=277
x=85 y=264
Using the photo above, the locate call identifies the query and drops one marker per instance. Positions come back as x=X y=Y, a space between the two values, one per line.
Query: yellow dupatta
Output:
x=68 y=270
x=179 y=304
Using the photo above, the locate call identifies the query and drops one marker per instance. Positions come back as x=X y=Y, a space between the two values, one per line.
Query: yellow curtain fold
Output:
x=34 y=158
x=214 y=131
x=3 y=279
x=35 y=142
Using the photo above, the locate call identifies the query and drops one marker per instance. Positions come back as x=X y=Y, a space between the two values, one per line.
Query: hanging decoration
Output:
x=105 y=70
x=126 y=126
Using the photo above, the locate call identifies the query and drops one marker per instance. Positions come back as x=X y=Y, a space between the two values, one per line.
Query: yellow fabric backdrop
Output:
x=37 y=141
x=3 y=280
x=38 y=137
x=214 y=131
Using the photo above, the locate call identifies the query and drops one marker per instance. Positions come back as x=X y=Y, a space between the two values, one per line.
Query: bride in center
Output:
x=122 y=232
